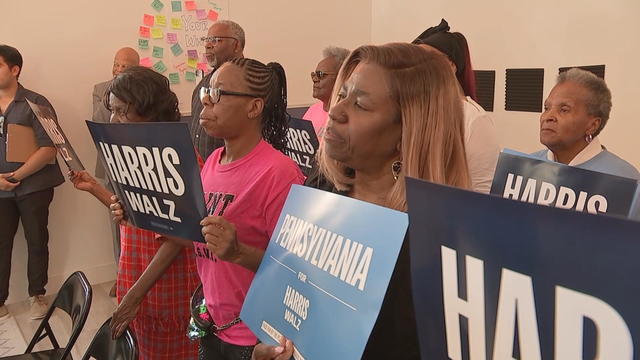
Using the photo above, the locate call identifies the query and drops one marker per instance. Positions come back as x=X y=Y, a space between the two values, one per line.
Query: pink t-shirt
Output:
x=250 y=193
x=317 y=116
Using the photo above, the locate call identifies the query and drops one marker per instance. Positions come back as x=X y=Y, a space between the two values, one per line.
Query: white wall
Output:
x=68 y=46
x=545 y=33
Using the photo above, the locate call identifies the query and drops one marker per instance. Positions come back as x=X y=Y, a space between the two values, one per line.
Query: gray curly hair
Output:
x=599 y=103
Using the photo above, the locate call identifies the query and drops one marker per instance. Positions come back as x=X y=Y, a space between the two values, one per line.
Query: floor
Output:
x=102 y=307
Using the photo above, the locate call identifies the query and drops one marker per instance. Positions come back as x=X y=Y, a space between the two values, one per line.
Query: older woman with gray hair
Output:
x=575 y=112
x=323 y=79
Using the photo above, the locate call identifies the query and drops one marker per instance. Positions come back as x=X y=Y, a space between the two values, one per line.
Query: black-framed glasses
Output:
x=215 y=39
x=319 y=74
x=213 y=94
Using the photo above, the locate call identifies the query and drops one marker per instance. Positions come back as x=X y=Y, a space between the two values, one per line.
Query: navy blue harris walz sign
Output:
x=302 y=144
x=155 y=173
x=522 y=177
x=500 y=279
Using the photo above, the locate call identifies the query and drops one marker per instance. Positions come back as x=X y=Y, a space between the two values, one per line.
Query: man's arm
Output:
x=39 y=159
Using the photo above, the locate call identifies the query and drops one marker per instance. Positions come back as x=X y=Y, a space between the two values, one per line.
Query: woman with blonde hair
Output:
x=396 y=112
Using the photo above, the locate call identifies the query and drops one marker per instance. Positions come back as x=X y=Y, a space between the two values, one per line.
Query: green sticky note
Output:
x=158 y=52
x=160 y=67
x=157 y=4
x=176 y=6
x=190 y=76
x=174 y=78
x=176 y=49
x=143 y=44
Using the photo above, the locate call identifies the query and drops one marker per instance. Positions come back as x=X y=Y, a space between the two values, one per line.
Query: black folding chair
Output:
x=74 y=298
x=103 y=347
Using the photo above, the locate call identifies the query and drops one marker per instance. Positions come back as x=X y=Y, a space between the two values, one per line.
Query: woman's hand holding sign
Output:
x=221 y=239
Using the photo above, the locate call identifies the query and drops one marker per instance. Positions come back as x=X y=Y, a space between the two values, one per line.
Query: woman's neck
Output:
x=565 y=155
x=237 y=148
x=374 y=186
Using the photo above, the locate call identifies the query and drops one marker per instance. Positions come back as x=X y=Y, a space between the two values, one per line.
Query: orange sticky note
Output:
x=192 y=63
x=144 y=32
x=146 y=62
x=190 y=5
x=148 y=20
x=157 y=33
x=213 y=16
x=176 y=23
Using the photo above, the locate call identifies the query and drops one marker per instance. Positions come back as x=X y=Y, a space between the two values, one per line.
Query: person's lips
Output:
x=330 y=135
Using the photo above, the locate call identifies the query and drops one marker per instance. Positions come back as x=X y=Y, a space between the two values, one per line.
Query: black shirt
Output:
x=20 y=113
x=204 y=143
x=394 y=335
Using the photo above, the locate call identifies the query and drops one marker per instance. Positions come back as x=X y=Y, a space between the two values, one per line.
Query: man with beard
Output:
x=224 y=41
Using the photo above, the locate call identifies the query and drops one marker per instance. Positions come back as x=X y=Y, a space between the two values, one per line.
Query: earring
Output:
x=588 y=138
x=395 y=169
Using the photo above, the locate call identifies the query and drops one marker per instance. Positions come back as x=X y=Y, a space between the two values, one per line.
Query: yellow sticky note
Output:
x=157 y=33
x=193 y=63
x=161 y=20
x=176 y=23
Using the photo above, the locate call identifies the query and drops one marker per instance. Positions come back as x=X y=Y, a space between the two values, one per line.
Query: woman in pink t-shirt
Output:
x=245 y=184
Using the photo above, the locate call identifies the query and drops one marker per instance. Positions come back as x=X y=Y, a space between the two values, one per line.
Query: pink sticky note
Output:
x=201 y=14
x=145 y=32
x=213 y=15
x=146 y=62
x=203 y=66
x=192 y=54
x=172 y=38
x=190 y=5
x=148 y=20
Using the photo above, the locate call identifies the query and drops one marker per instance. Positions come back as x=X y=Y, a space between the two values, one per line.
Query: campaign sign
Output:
x=302 y=144
x=523 y=177
x=325 y=273
x=49 y=122
x=500 y=279
x=155 y=173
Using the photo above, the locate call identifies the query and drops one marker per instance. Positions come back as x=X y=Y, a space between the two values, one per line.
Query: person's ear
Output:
x=594 y=125
x=256 y=107
x=15 y=70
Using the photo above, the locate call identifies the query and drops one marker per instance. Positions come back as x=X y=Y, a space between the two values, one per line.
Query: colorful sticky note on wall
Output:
x=201 y=14
x=143 y=44
x=176 y=23
x=161 y=20
x=192 y=54
x=146 y=62
x=176 y=49
x=148 y=20
x=144 y=32
x=174 y=78
x=176 y=6
x=213 y=15
x=190 y=76
x=172 y=38
x=158 y=52
x=157 y=33
x=160 y=67
x=190 y=5
x=157 y=4
x=203 y=66
x=192 y=63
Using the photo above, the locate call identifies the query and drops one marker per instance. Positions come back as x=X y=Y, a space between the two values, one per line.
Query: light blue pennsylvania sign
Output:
x=526 y=178
x=155 y=173
x=500 y=279
x=325 y=273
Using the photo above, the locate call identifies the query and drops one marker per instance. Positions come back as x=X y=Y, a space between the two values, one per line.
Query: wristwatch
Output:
x=11 y=179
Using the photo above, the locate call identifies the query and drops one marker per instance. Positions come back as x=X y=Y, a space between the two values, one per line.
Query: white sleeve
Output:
x=482 y=153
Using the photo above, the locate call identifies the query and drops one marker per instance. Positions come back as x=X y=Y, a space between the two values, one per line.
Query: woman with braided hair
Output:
x=245 y=184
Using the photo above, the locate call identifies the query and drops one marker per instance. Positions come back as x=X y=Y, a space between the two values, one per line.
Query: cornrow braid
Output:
x=269 y=82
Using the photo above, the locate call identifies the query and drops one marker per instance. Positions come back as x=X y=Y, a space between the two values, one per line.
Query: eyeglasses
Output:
x=319 y=74
x=213 y=94
x=215 y=39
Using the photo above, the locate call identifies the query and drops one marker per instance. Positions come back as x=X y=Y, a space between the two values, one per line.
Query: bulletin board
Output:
x=169 y=42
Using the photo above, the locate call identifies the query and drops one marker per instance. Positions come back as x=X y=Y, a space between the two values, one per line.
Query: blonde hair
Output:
x=429 y=101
